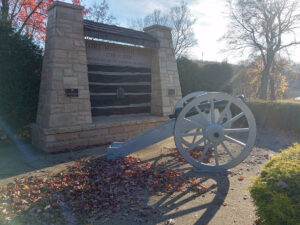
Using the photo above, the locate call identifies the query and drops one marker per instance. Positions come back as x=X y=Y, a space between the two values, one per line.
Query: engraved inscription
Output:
x=116 y=54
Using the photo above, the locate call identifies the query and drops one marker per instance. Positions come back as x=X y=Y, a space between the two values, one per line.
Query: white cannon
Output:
x=212 y=131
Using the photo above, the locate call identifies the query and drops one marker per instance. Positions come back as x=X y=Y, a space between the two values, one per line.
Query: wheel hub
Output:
x=214 y=133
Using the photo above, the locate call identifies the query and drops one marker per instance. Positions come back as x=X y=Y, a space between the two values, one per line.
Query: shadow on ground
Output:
x=182 y=201
x=274 y=140
x=186 y=206
x=163 y=207
x=211 y=208
x=19 y=158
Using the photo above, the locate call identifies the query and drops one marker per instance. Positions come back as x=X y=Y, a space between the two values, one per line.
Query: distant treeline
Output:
x=204 y=76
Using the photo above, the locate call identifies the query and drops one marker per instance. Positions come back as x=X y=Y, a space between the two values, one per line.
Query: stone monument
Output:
x=102 y=83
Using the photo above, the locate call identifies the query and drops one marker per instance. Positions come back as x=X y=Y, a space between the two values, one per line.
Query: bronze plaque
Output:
x=71 y=92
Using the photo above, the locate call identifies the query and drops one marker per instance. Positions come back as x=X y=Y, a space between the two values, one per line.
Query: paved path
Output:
x=228 y=203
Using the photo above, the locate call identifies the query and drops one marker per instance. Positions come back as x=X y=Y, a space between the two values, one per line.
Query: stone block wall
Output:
x=82 y=136
x=166 y=90
x=64 y=67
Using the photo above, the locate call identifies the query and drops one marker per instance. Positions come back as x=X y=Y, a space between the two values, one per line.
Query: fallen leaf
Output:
x=87 y=188
x=241 y=178
x=170 y=222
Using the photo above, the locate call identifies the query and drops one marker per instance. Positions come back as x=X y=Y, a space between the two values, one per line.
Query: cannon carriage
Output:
x=212 y=131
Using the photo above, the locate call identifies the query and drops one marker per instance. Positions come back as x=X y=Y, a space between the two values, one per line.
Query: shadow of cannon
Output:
x=183 y=199
x=67 y=200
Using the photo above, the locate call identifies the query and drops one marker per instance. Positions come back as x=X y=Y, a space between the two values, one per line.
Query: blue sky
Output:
x=209 y=28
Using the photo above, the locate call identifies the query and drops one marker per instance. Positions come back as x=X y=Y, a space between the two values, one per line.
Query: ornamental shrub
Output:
x=20 y=70
x=276 y=191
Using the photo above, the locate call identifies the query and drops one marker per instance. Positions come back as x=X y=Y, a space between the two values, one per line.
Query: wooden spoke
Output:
x=202 y=117
x=196 y=124
x=212 y=110
x=195 y=144
x=194 y=138
x=216 y=155
x=234 y=140
x=236 y=130
x=227 y=150
x=192 y=134
x=227 y=123
x=224 y=112
x=203 y=153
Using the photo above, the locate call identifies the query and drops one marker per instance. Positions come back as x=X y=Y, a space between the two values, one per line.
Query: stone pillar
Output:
x=166 y=90
x=64 y=67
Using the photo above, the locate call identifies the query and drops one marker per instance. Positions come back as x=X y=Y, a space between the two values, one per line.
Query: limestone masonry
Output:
x=70 y=90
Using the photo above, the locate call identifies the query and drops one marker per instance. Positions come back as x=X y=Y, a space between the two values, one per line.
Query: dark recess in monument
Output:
x=117 y=90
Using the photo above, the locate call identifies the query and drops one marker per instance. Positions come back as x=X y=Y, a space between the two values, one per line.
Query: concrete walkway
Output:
x=228 y=203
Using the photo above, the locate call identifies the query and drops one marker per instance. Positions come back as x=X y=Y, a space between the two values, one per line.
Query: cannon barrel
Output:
x=218 y=104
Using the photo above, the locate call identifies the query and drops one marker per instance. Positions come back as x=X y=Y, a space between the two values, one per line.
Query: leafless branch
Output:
x=30 y=14
x=263 y=25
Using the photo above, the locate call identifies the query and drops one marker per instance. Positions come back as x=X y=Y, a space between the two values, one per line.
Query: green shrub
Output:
x=276 y=191
x=20 y=69
x=276 y=114
x=204 y=77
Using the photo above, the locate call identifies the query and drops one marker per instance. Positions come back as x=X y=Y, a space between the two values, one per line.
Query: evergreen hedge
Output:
x=20 y=71
x=281 y=115
x=196 y=76
x=276 y=191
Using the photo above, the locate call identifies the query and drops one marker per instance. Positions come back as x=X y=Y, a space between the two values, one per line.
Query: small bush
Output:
x=276 y=114
x=276 y=191
x=20 y=69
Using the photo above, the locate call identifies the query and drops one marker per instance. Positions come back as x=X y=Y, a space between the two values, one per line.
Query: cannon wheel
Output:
x=215 y=135
x=185 y=100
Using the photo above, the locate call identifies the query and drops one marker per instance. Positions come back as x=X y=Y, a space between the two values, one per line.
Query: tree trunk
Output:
x=264 y=83
x=272 y=89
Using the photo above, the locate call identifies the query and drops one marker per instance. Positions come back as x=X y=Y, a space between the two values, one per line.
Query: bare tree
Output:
x=136 y=23
x=156 y=17
x=99 y=12
x=266 y=27
x=182 y=32
x=179 y=18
